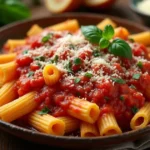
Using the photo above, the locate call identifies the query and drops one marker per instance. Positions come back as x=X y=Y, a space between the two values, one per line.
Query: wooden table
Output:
x=9 y=142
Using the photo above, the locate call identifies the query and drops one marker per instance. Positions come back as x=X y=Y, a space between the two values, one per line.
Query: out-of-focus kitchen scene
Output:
x=14 y=10
x=11 y=11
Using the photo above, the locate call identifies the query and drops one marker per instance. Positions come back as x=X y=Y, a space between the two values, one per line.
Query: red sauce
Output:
x=109 y=96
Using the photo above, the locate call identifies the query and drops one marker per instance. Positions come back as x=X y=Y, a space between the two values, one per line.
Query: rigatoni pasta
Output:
x=66 y=80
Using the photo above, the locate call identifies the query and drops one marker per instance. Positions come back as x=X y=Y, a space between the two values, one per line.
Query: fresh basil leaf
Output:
x=136 y=76
x=103 y=43
x=134 y=109
x=118 y=80
x=120 y=48
x=13 y=10
x=92 y=33
x=140 y=64
x=77 y=61
x=108 y=32
x=56 y=58
x=88 y=75
x=77 y=80
x=31 y=73
x=40 y=58
x=44 y=111
x=46 y=38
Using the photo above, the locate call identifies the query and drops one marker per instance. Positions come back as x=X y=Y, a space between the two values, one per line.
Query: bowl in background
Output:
x=144 y=16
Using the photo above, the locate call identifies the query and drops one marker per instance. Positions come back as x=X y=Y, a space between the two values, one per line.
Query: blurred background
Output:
x=14 y=10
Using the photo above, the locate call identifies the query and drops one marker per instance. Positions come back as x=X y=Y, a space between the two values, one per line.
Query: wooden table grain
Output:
x=10 y=142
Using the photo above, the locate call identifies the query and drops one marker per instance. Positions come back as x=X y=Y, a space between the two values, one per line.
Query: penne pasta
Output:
x=18 y=108
x=83 y=110
x=70 y=25
x=7 y=72
x=7 y=93
x=107 y=125
x=51 y=74
x=46 y=123
x=5 y=58
x=71 y=124
x=35 y=29
x=143 y=38
x=12 y=44
x=105 y=22
x=88 y=130
x=88 y=79
x=141 y=118
x=121 y=32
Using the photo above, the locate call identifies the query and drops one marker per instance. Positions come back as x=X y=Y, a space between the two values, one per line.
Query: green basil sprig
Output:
x=118 y=47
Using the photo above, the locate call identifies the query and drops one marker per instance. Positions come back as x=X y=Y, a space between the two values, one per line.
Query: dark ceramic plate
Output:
x=133 y=139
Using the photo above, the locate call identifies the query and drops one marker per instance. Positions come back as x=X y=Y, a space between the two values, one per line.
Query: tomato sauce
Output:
x=90 y=76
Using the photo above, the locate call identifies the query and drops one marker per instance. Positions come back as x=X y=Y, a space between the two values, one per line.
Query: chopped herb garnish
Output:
x=118 y=80
x=77 y=61
x=121 y=98
x=77 y=80
x=56 y=59
x=31 y=73
x=68 y=67
x=96 y=53
x=106 y=98
x=46 y=38
x=134 y=109
x=132 y=86
x=87 y=74
x=25 y=52
x=140 y=64
x=71 y=46
x=136 y=76
x=131 y=40
x=40 y=58
x=44 y=111
x=38 y=64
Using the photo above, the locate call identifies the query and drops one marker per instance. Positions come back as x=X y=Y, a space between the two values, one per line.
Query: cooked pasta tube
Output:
x=11 y=44
x=141 y=118
x=7 y=72
x=18 y=108
x=5 y=58
x=107 y=125
x=35 y=29
x=83 y=110
x=88 y=130
x=51 y=74
x=71 y=124
x=143 y=38
x=70 y=25
x=46 y=123
x=122 y=33
x=7 y=93
x=105 y=22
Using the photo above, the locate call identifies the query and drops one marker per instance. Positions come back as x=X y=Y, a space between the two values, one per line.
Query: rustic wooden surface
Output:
x=9 y=142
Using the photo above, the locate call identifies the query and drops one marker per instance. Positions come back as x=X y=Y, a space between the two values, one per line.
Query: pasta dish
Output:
x=89 y=81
